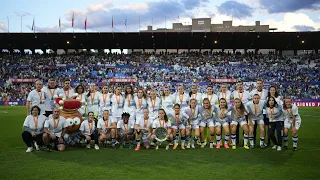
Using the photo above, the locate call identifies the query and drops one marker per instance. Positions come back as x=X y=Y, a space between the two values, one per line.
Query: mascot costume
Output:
x=71 y=109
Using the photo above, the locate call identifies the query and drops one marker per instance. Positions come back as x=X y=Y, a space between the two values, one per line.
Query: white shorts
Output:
x=145 y=136
x=180 y=126
x=288 y=124
x=195 y=124
x=218 y=123
x=208 y=123
x=258 y=121
x=241 y=123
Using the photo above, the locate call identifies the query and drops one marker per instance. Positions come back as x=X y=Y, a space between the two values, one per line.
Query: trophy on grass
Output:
x=161 y=134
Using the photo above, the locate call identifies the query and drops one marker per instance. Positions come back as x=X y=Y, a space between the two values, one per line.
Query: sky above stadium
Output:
x=286 y=15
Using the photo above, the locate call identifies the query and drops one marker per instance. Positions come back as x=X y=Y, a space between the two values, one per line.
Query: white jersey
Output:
x=176 y=120
x=141 y=104
x=144 y=123
x=93 y=102
x=226 y=96
x=193 y=113
x=256 y=110
x=212 y=98
x=125 y=128
x=50 y=101
x=289 y=113
x=82 y=97
x=36 y=124
x=221 y=114
x=129 y=104
x=263 y=94
x=167 y=103
x=117 y=105
x=68 y=94
x=56 y=126
x=207 y=115
x=103 y=125
x=183 y=100
x=274 y=114
x=154 y=106
x=37 y=99
x=237 y=116
x=157 y=123
x=87 y=128
x=198 y=97
x=278 y=99
x=244 y=96
x=105 y=102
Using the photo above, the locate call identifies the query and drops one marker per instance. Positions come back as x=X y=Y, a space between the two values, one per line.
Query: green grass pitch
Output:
x=81 y=163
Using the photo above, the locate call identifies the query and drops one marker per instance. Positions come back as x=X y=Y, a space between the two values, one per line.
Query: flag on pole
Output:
x=125 y=21
x=112 y=22
x=59 y=22
x=33 y=28
x=85 y=24
x=73 y=20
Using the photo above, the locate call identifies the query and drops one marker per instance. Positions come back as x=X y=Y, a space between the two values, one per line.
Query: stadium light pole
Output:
x=22 y=15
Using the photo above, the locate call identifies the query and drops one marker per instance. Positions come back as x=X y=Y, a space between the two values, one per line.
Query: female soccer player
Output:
x=117 y=101
x=224 y=93
x=181 y=97
x=275 y=115
x=88 y=131
x=292 y=118
x=92 y=100
x=33 y=129
x=194 y=120
x=162 y=121
x=207 y=120
x=106 y=128
x=222 y=120
x=256 y=108
x=238 y=114
x=125 y=130
x=81 y=97
x=141 y=104
x=167 y=100
x=179 y=122
x=105 y=101
x=143 y=129
x=210 y=95
x=154 y=104
x=130 y=104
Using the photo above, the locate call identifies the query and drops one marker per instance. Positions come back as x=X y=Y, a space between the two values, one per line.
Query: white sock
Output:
x=218 y=138
x=183 y=139
x=295 y=141
x=138 y=142
x=261 y=141
x=251 y=140
x=245 y=139
x=285 y=140
x=233 y=139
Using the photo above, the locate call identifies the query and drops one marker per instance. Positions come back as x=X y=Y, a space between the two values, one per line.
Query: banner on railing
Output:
x=224 y=80
x=130 y=80
x=15 y=80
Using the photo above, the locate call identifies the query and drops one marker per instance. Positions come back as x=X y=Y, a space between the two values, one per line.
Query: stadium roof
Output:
x=172 y=40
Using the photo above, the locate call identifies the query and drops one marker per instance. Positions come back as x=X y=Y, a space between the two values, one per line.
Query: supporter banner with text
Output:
x=122 y=80
x=224 y=80
x=15 y=80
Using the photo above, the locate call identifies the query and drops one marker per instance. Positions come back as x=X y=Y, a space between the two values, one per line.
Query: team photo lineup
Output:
x=118 y=116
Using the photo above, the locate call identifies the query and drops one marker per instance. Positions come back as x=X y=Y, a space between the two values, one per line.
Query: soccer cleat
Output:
x=182 y=147
x=218 y=146
x=192 y=146
x=203 y=145
x=36 y=146
x=175 y=146
x=137 y=148
x=226 y=146
x=234 y=147
x=294 y=149
x=167 y=147
x=29 y=149
x=188 y=146
x=157 y=147
x=88 y=146
x=211 y=145
x=152 y=143
x=246 y=147
x=96 y=147
x=279 y=148
x=285 y=147
x=214 y=143
x=274 y=147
